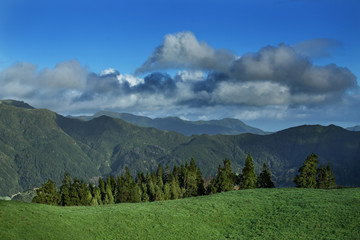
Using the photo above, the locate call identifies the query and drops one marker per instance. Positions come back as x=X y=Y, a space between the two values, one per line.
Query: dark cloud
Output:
x=316 y=48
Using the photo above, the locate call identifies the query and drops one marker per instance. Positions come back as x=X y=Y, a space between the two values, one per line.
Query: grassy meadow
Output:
x=284 y=213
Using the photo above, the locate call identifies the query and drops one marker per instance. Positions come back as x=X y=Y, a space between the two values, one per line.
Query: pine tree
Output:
x=150 y=187
x=144 y=195
x=325 y=177
x=264 y=179
x=167 y=191
x=109 y=195
x=322 y=177
x=135 y=193
x=64 y=190
x=200 y=183
x=224 y=179
x=248 y=177
x=102 y=190
x=307 y=176
x=47 y=194
x=331 y=178
x=73 y=193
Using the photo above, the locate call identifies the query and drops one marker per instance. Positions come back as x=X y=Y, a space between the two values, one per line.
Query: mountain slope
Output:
x=355 y=128
x=225 y=126
x=37 y=144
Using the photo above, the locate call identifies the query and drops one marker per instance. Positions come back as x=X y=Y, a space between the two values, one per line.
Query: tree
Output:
x=307 y=176
x=322 y=177
x=224 y=179
x=331 y=178
x=325 y=177
x=47 y=194
x=64 y=190
x=248 y=177
x=264 y=179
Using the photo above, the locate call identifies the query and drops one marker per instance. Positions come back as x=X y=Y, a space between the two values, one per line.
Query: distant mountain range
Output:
x=226 y=126
x=355 y=128
x=38 y=144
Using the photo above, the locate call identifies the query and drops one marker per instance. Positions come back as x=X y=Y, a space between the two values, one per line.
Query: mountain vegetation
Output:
x=277 y=213
x=226 y=126
x=184 y=181
x=37 y=145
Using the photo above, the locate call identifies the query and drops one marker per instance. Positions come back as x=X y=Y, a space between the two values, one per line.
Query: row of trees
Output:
x=312 y=177
x=181 y=182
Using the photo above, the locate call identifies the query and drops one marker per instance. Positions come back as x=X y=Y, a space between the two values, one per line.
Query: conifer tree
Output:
x=102 y=190
x=224 y=179
x=74 y=193
x=109 y=195
x=167 y=191
x=159 y=194
x=322 y=177
x=331 y=178
x=307 y=176
x=200 y=183
x=264 y=179
x=135 y=193
x=150 y=187
x=248 y=177
x=325 y=177
x=64 y=190
x=47 y=194
x=144 y=193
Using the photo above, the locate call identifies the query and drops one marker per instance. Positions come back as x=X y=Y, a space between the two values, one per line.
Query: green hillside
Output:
x=37 y=145
x=246 y=214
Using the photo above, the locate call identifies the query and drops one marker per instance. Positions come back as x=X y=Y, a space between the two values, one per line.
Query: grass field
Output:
x=285 y=213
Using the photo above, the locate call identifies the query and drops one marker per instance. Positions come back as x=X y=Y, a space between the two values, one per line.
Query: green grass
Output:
x=286 y=213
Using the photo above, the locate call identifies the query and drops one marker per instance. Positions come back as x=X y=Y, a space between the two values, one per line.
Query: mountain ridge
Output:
x=38 y=144
x=226 y=126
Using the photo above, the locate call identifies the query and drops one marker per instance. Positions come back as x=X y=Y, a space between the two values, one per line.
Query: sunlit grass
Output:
x=287 y=213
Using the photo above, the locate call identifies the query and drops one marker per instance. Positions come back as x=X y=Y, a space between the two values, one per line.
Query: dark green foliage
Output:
x=64 y=190
x=264 y=179
x=307 y=173
x=47 y=194
x=325 y=177
x=224 y=180
x=312 y=177
x=248 y=177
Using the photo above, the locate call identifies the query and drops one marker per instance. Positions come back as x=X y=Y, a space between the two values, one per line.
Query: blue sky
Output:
x=53 y=54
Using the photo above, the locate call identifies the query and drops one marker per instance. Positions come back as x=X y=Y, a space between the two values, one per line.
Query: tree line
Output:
x=311 y=176
x=163 y=184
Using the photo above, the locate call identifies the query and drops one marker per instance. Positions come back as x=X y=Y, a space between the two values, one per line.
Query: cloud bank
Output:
x=269 y=83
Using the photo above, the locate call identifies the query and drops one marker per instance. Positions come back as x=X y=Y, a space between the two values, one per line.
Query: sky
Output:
x=272 y=64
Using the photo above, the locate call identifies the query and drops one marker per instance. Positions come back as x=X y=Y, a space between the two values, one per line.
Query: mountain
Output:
x=225 y=126
x=38 y=144
x=355 y=128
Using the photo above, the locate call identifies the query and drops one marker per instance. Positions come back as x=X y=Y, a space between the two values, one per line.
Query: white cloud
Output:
x=183 y=50
x=130 y=79
x=190 y=75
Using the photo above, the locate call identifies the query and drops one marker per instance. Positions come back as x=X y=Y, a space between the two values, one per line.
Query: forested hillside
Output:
x=37 y=145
